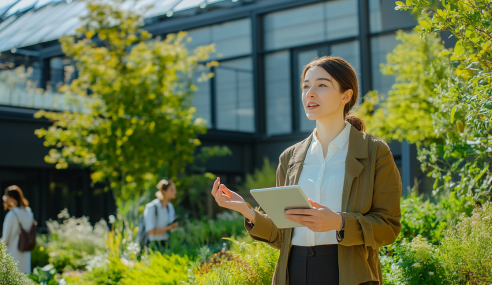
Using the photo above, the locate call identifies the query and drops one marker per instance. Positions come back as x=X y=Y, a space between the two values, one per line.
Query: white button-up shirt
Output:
x=322 y=180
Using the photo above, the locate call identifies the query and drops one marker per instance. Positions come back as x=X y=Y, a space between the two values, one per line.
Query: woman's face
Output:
x=170 y=193
x=321 y=96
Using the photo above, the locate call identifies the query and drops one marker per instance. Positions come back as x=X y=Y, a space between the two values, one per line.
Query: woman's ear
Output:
x=347 y=96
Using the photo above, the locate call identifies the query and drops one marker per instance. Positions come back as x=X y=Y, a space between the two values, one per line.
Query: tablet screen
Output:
x=275 y=201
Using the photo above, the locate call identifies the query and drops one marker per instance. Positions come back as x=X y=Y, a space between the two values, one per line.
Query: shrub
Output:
x=261 y=178
x=162 y=269
x=467 y=248
x=9 y=272
x=109 y=273
x=252 y=263
x=416 y=264
x=194 y=235
x=429 y=218
x=72 y=241
x=40 y=256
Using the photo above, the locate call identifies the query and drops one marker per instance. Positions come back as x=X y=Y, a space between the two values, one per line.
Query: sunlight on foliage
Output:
x=140 y=116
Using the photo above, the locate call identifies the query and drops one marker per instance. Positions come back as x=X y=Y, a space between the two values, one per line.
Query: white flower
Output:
x=416 y=264
x=111 y=219
x=431 y=273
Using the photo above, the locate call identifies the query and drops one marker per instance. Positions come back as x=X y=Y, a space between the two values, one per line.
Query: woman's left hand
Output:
x=318 y=219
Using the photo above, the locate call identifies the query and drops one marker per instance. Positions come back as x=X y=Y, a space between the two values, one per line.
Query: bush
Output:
x=40 y=256
x=261 y=178
x=194 y=235
x=109 y=273
x=9 y=272
x=429 y=218
x=162 y=269
x=72 y=241
x=416 y=264
x=252 y=263
x=467 y=248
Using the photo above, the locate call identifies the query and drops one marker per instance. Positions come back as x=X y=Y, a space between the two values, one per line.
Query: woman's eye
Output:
x=305 y=87
x=322 y=85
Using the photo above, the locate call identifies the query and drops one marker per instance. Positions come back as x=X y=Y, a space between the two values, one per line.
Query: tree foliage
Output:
x=406 y=112
x=137 y=119
x=465 y=100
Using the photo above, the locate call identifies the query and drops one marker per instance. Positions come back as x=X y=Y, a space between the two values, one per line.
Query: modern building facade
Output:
x=252 y=104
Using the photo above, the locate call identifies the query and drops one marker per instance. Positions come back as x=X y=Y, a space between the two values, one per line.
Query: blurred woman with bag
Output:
x=19 y=228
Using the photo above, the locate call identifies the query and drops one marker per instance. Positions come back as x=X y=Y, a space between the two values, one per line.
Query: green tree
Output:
x=9 y=272
x=465 y=100
x=406 y=112
x=137 y=119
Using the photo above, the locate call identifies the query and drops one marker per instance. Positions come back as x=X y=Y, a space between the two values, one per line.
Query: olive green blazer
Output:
x=370 y=204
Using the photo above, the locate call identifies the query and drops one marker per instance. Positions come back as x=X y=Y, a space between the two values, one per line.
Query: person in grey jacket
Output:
x=159 y=214
x=19 y=215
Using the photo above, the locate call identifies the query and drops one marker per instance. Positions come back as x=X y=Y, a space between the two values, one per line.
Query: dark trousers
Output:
x=313 y=265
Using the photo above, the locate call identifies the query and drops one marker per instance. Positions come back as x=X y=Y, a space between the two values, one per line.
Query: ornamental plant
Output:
x=467 y=248
x=417 y=263
x=137 y=118
x=465 y=99
x=9 y=272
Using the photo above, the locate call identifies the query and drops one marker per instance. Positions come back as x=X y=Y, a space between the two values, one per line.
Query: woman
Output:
x=159 y=214
x=351 y=180
x=19 y=215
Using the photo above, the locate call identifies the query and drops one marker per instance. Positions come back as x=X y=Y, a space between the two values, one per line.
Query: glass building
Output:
x=252 y=104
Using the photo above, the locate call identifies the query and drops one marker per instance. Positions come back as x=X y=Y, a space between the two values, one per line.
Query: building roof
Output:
x=29 y=22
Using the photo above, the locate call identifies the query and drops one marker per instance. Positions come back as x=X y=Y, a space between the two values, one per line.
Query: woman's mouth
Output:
x=312 y=106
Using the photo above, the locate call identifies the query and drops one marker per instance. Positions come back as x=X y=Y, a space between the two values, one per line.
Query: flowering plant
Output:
x=418 y=263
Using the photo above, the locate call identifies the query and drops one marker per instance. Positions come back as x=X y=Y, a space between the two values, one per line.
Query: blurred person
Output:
x=159 y=215
x=19 y=215
x=351 y=179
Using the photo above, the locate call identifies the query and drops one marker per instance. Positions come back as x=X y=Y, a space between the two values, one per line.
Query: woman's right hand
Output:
x=231 y=200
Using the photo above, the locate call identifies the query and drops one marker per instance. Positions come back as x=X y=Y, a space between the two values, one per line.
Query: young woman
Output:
x=159 y=214
x=19 y=215
x=351 y=180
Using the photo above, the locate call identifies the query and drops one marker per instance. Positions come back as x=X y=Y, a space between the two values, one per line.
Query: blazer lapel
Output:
x=296 y=162
x=357 y=149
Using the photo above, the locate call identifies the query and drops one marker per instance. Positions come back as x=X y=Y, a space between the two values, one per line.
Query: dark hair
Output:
x=16 y=193
x=345 y=75
x=164 y=184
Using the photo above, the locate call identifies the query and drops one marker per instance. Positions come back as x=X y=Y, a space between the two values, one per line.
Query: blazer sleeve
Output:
x=381 y=225
x=264 y=229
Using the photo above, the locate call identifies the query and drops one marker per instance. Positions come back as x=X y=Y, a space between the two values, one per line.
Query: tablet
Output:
x=274 y=201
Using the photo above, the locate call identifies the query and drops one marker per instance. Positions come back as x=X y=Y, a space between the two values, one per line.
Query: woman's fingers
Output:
x=215 y=186
x=226 y=191
x=316 y=205
x=301 y=218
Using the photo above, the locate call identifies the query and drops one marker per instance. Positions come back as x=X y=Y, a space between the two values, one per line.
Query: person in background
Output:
x=19 y=215
x=159 y=214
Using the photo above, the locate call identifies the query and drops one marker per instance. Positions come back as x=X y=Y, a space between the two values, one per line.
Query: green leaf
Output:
x=453 y=111
x=458 y=48
x=400 y=3
x=481 y=173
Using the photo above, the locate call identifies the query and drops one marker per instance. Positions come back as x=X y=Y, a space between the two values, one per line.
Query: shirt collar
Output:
x=340 y=141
